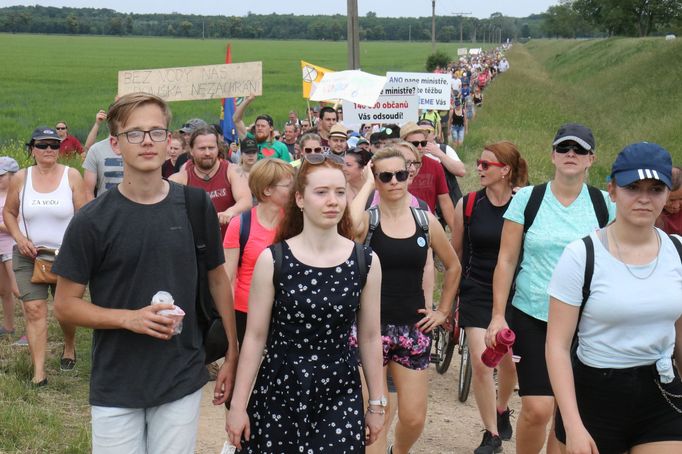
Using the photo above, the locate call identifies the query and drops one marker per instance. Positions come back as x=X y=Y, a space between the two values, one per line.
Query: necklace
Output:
x=658 y=253
x=206 y=176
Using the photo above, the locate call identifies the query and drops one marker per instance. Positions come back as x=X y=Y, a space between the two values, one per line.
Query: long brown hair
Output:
x=292 y=224
x=507 y=153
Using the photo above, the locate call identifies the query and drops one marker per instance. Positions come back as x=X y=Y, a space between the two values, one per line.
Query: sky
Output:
x=392 y=8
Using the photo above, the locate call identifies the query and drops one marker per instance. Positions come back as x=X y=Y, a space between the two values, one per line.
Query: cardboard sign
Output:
x=398 y=103
x=462 y=51
x=474 y=51
x=352 y=85
x=195 y=82
x=433 y=89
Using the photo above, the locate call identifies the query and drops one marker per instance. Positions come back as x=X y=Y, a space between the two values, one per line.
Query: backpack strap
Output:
x=422 y=221
x=195 y=205
x=533 y=205
x=599 y=205
x=277 y=256
x=587 y=283
x=469 y=207
x=244 y=232
x=362 y=263
x=422 y=205
x=678 y=245
x=373 y=223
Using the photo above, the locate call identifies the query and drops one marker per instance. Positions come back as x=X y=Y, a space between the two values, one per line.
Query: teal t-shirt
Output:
x=275 y=149
x=554 y=227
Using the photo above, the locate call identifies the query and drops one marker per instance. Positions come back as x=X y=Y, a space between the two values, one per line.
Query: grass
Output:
x=625 y=89
x=46 y=79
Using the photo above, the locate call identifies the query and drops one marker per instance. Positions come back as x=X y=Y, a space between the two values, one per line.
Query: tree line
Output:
x=580 y=18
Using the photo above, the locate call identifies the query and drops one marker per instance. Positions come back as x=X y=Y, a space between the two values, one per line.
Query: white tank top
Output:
x=47 y=214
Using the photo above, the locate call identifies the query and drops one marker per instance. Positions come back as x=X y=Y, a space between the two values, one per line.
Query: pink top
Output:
x=6 y=240
x=259 y=239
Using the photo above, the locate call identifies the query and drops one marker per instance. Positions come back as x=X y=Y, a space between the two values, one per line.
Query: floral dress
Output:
x=307 y=397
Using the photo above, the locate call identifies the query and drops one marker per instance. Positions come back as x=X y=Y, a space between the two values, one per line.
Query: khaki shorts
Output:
x=23 y=271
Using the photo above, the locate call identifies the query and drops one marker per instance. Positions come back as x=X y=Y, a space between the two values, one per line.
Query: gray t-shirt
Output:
x=627 y=322
x=108 y=166
x=126 y=252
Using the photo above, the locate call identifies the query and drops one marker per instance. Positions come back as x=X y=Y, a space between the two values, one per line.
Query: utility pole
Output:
x=353 y=35
x=461 y=24
x=409 y=33
x=433 y=26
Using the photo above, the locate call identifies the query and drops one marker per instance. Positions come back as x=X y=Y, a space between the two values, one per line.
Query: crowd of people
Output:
x=320 y=248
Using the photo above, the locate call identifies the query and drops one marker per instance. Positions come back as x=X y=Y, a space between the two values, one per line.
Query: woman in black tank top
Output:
x=401 y=239
x=478 y=229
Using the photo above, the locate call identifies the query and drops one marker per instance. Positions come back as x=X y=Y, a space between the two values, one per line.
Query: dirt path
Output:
x=452 y=426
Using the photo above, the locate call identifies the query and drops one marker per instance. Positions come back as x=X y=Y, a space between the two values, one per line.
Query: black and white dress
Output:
x=307 y=397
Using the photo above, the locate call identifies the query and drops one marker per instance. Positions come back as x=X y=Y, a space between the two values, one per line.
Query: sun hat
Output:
x=642 y=161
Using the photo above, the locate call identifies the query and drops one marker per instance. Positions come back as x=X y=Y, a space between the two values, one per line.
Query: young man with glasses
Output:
x=134 y=240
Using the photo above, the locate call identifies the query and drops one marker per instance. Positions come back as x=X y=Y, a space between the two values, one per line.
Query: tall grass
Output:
x=626 y=90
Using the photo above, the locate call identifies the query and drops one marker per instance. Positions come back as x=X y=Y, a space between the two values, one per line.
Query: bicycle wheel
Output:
x=464 y=369
x=445 y=349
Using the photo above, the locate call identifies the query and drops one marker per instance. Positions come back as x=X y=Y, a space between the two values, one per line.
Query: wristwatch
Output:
x=382 y=401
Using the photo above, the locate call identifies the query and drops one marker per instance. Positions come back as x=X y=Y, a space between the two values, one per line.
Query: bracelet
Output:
x=376 y=412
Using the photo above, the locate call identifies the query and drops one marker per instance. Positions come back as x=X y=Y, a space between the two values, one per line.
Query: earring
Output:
x=301 y=209
x=503 y=177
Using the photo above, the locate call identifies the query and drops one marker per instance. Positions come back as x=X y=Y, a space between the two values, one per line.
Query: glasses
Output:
x=319 y=158
x=400 y=175
x=577 y=149
x=419 y=143
x=60 y=128
x=45 y=146
x=137 y=136
x=485 y=164
x=416 y=164
x=312 y=150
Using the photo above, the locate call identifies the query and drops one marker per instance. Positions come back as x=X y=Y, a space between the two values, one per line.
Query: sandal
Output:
x=67 y=364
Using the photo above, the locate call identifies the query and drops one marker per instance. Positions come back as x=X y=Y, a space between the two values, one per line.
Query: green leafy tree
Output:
x=72 y=23
x=439 y=59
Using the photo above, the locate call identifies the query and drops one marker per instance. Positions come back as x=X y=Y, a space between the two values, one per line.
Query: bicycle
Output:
x=445 y=338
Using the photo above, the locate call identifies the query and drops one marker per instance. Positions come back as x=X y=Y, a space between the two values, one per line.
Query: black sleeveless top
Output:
x=481 y=242
x=402 y=269
x=457 y=120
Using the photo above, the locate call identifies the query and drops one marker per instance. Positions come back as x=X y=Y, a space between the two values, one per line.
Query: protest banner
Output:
x=475 y=51
x=462 y=51
x=352 y=85
x=398 y=103
x=195 y=82
x=433 y=89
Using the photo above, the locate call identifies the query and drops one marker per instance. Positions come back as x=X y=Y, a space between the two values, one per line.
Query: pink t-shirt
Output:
x=259 y=239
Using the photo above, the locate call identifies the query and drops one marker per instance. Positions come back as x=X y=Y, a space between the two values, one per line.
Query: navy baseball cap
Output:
x=578 y=133
x=249 y=146
x=642 y=161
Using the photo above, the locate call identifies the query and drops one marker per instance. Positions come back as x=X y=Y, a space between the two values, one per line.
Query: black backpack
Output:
x=419 y=215
x=208 y=318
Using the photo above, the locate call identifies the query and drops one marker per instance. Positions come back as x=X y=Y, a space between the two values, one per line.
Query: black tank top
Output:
x=482 y=243
x=457 y=120
x=402 y=269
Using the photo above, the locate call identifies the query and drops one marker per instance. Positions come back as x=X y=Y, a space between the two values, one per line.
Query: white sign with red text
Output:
x=398 y=103
x=433 y=89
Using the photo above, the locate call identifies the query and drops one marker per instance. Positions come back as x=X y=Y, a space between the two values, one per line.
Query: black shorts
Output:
x=622 y=408
x=476 y=304
x=531 y=369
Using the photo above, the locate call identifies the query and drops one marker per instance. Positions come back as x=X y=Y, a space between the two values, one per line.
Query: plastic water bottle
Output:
x=491 y=357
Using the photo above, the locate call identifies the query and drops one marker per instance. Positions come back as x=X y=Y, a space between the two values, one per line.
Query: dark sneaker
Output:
x=490 y=444
x=504 y=426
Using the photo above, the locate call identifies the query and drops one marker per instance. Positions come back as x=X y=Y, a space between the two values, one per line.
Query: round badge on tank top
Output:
x=421 y=242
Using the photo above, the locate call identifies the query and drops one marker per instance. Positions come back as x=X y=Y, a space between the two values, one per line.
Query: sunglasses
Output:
x=319 y=158
x=577 y=149
x=415 y=164
x=400 y=176
x=60 y=128
x=312 y=150
x=45 y=146
x=485 y=164
x=418 y=143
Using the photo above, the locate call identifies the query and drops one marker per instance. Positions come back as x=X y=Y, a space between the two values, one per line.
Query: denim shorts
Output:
x=457 y=133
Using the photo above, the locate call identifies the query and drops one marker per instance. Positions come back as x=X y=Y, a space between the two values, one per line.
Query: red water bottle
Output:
x=491 y=357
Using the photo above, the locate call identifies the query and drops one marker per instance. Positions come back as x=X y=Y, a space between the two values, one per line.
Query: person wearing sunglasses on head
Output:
x=41 y=201
x=307 y=291
x=539 y=223
x=401 y=236
x=478 y=229
x=69 y=144
x=616 y=385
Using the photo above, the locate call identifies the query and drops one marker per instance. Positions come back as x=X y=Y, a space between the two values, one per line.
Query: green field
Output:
x=48 y=78
x=627 y=90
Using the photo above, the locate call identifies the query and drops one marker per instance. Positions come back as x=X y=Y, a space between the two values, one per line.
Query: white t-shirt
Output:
x=456 y=84
x=449 y=151
x=627 y=322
